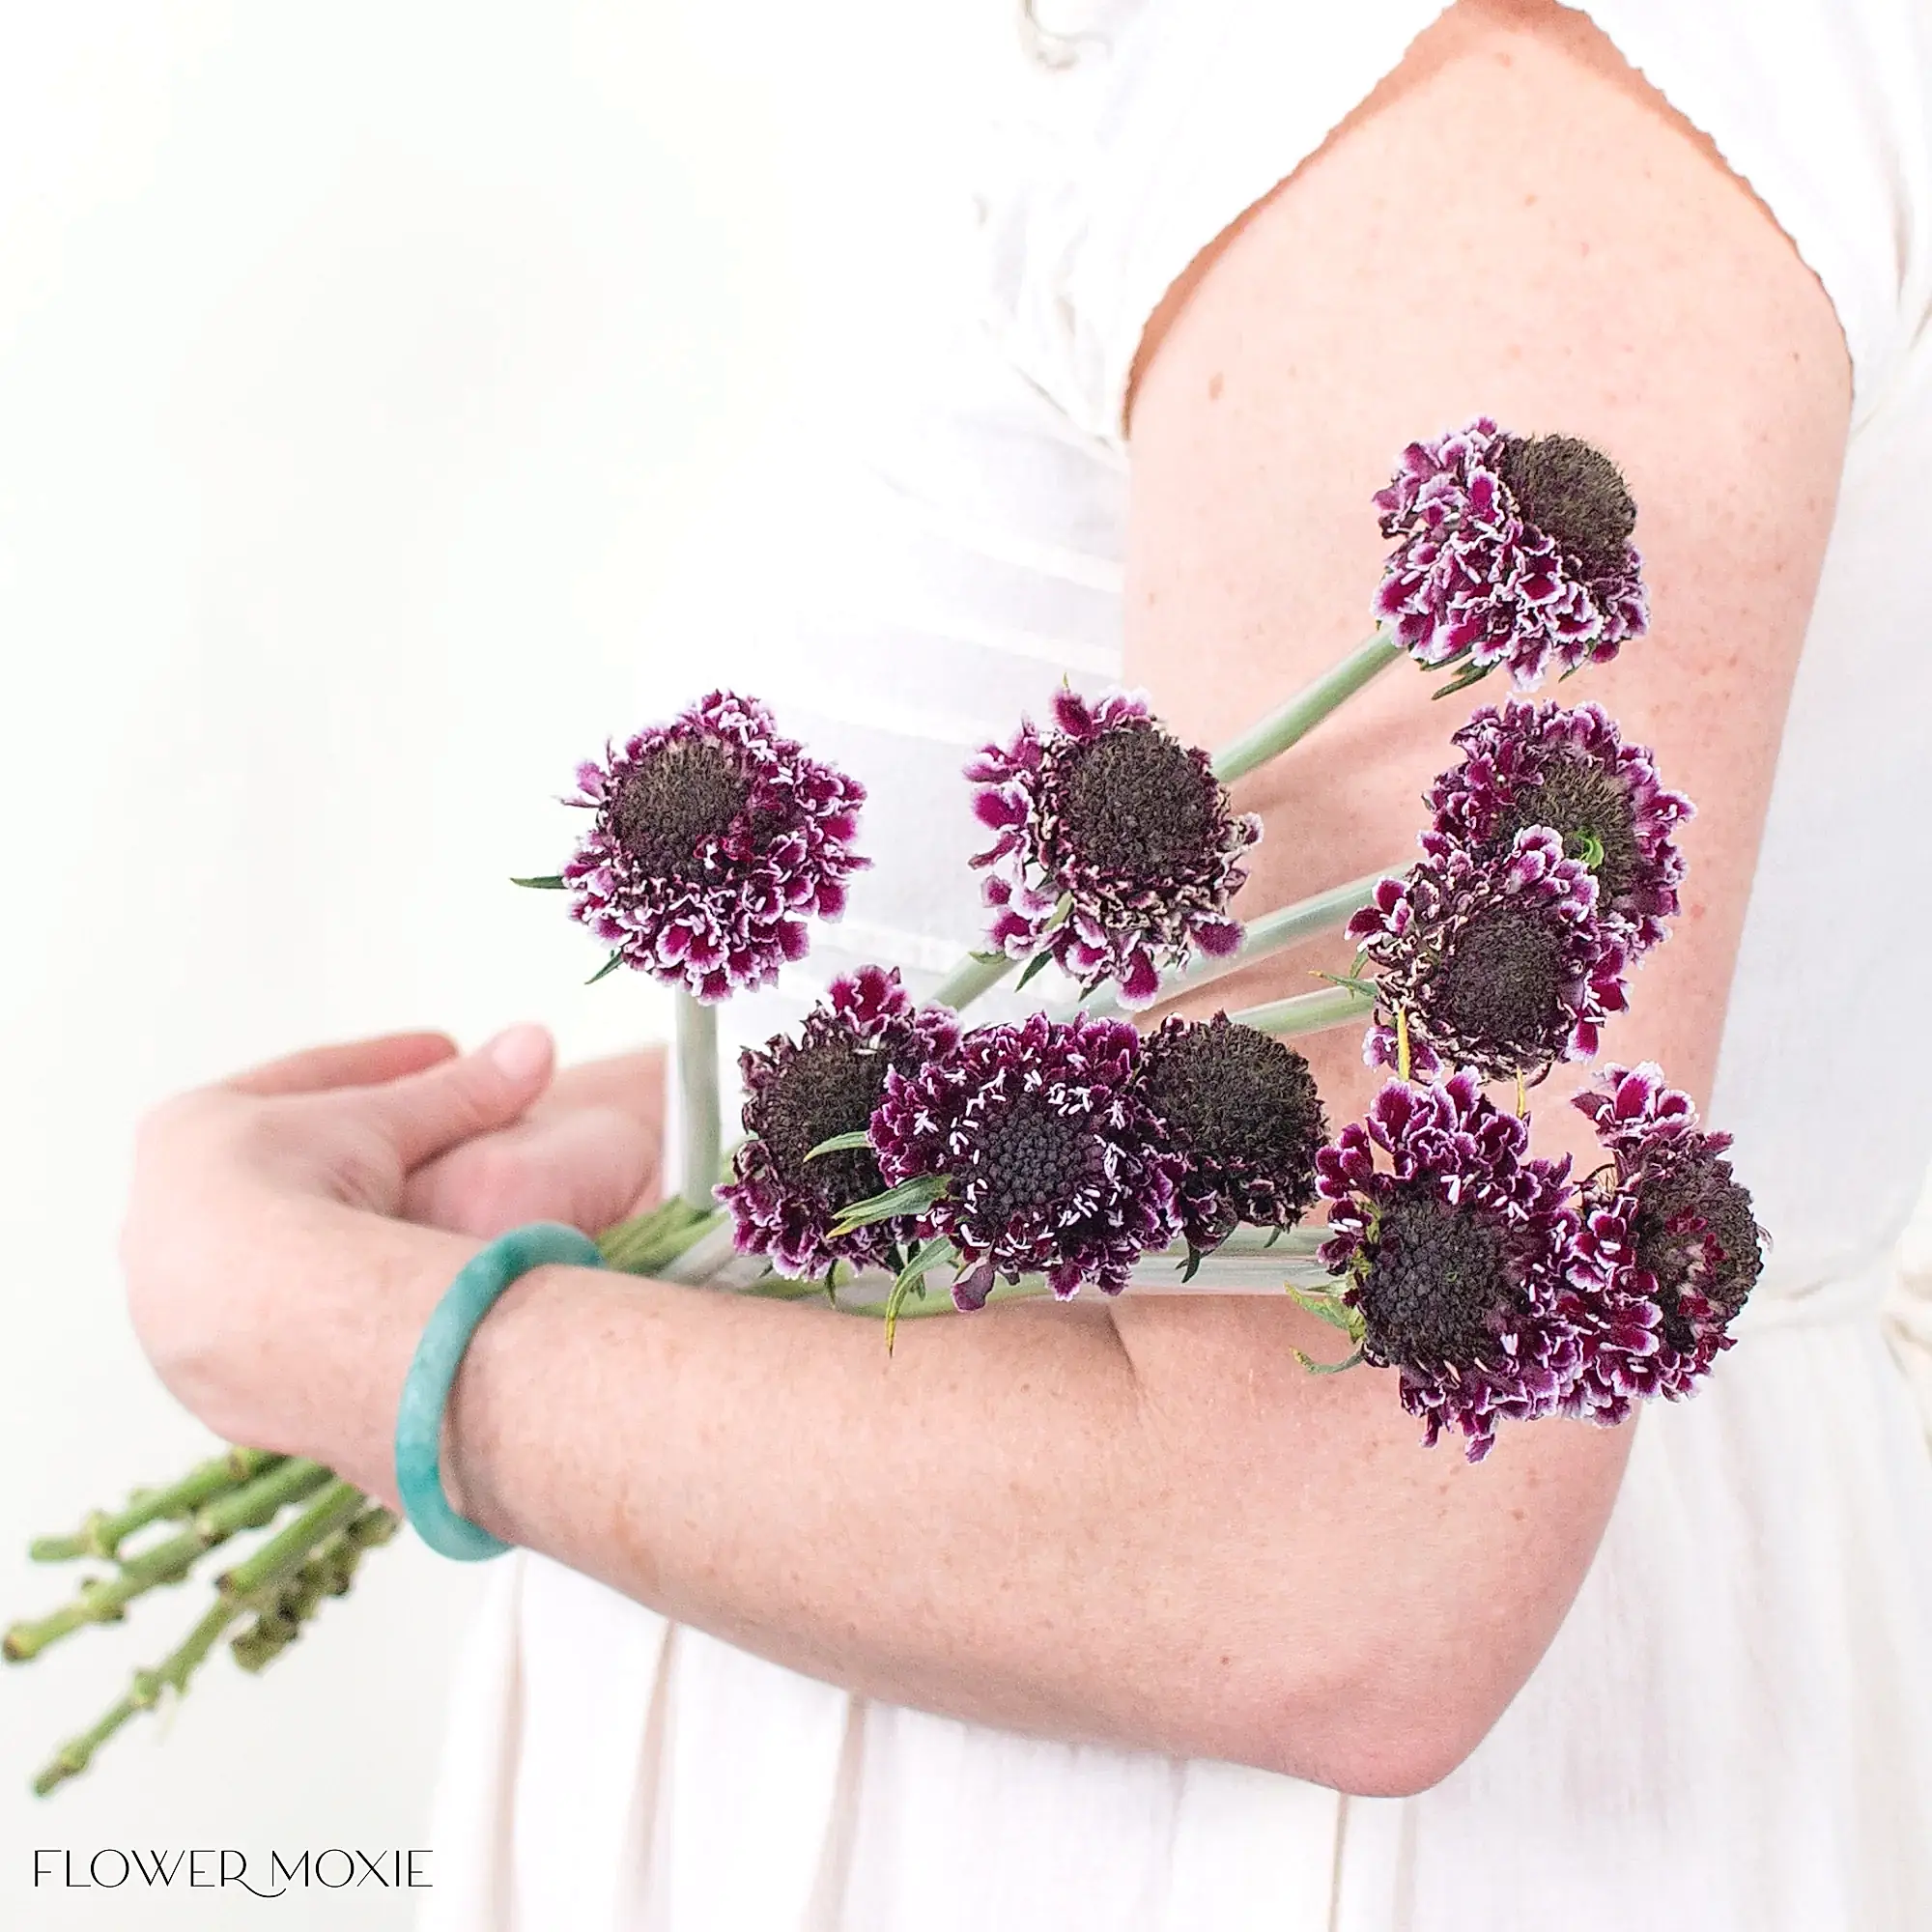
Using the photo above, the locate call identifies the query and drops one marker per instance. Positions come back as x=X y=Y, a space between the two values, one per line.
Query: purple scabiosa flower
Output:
x=713 y=841
x=1453 y=1254
x=1538 y=764
x=1510 y=551
x=1497 y=964
x=800 y=1092
x=1115 y=852
x=1241 y=1109
x=1668 y=1251
x=1054 y=1164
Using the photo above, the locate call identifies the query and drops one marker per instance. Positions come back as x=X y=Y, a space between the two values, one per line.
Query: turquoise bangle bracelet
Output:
x=446 y=1339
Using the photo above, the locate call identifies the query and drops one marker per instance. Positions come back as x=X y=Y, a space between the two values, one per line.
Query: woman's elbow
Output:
x=1362 y=1737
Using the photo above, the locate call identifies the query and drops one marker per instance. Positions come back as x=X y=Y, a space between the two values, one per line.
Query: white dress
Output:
x=1733 y=1729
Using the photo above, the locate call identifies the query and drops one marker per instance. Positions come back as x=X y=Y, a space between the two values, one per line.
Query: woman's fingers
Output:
x=630 y=1082
x=426 y=1113
x=587 y=1168
x=358 y=1063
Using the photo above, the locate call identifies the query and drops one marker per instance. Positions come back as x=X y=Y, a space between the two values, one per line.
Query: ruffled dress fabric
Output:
x=1733 y=1729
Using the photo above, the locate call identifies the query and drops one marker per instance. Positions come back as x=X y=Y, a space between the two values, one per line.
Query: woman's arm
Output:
x=1146 y=1524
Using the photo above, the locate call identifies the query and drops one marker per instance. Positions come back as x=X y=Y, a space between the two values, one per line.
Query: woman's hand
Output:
x=586 y=1152
x=266 y=1280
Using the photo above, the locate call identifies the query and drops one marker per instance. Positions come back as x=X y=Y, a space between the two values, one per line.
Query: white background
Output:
x=364 y=373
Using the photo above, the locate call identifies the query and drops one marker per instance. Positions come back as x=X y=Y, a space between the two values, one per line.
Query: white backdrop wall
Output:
x=363 y=372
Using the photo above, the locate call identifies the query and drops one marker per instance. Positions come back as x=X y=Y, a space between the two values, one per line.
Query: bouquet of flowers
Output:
x=902 y=1162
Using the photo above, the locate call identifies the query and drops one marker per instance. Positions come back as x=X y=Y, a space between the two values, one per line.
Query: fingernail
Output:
x=519 y=1053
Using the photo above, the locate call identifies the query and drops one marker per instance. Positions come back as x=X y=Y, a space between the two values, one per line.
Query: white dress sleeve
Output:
x=1178 y=119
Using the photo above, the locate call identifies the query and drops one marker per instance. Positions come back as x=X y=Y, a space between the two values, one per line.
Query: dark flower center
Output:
x=1028 y=1158
x=1138 y=806
x=1437 y=1276
x=675 y=800
x=1713 y=1194
x=1574 y=495
x=1590 y=811
x=826 y=1090
x=1230 y=1095
x=1502 y=980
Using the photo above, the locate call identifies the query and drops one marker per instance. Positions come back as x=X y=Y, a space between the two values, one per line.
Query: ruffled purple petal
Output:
x=1468 y=579
x=725 y=918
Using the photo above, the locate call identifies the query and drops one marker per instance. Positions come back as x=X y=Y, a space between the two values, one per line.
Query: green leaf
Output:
x=1033 y=966
x=928 y=1256
x=988 y=958
x=1468 y=675
x=1350 y=983
x=605 y=971
x=909 y=1197
x=542 y=882
x=839 y=1143
x=911 y=1280
x=1316 y=1368
x=1195 y=1256
x=1331 y=1308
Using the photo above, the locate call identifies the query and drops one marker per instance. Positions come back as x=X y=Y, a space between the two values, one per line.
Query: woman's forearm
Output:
x=1144 y=1524
x=1140 y=1522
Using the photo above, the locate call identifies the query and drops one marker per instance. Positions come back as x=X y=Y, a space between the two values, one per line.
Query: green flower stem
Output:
x=710 y=1254
x=253 y=1586
x=105 y=1600
x=1288 y=1245
x=677 y=1243
x=1308 y=1013
x=1285 y=726
x=697 y=1091
x=332 y=1507
x=1272 y=932
x=648 y=1244
x=624 y=1239
x=1290 y=722
x=1287 y=1242
x=294 y=1599
x=632 y=1245
x=781 y=1288
x=938 y=1298
x=976 y=974
x=102 y=1535
x=173 y=1673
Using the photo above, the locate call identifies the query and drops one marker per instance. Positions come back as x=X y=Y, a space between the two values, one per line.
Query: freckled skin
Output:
x=1649 y=301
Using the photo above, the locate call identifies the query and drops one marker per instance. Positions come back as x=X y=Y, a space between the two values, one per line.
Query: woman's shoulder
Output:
x=1159 y=122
